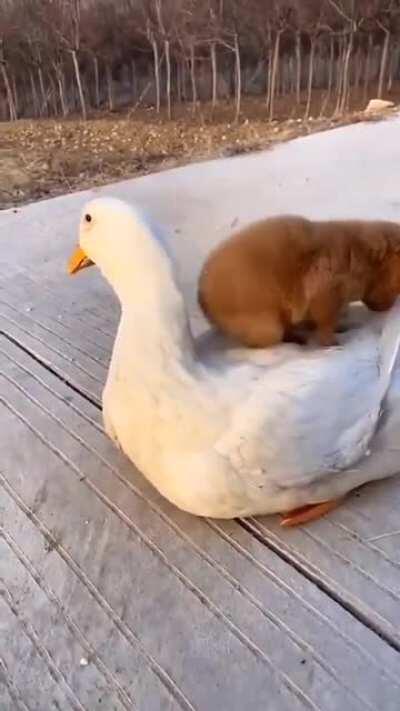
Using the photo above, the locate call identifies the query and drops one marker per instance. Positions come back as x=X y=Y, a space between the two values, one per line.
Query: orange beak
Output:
x=78 y=261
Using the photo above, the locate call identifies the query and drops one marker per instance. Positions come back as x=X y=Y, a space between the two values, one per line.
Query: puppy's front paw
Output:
x=327 y=340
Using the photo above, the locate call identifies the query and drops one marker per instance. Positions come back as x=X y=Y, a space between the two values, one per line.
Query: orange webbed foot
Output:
x=305 y=514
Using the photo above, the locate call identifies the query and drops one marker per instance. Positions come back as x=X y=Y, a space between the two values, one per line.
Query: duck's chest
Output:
x=153 y=411
x=131 y=408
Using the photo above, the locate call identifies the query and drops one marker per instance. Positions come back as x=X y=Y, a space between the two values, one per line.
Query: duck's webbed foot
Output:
x=109 y=430
x=305 y=514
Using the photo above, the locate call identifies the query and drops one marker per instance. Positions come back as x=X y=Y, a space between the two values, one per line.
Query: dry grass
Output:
x=47 y=157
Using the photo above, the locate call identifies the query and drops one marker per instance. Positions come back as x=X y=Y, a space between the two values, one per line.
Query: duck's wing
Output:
x=317 y=414
x=216 y=350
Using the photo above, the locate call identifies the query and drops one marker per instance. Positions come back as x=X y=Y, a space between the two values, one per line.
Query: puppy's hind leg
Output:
x=257 y=331
x=325 y=309
x=296 y=335
x=380 y=305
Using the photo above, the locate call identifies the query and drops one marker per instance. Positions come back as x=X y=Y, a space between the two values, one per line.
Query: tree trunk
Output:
x=331 y=65
x=238 y=79
x=384 y=57
x=268 y=74
x=327 y=98
x=10 y=99
x=110 y=90
x=133 y=80
x=274 y=74
x=15 y=94
x=367 y=67
x=60 y=84
x=96 y=82
x=346 y=71
x=345 y=80
x=310 y=77
x=35 y=98
x=183 y=79
x=290 y=86
x=281 y=78
x=193 y=76
x=269 y=71
x=339 y=76
x=213 y=56
x=394 y=58
x=79 y=84
x=178 y=83
x=63 y=102
x=357 y=70
x=53 y=96
x=44 y=108
x=156 y=73
x=168 y=67
x=298 y=68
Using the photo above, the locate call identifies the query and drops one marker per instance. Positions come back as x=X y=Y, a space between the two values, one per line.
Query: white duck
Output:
x=226 y=433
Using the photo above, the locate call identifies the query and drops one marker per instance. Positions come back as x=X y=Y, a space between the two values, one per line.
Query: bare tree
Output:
x=57 y=56
x=7 y=34
x=62 y=18
x=72 y=38
x=385 y=18
x=5 y=76
x=165 y=22
x=281 y=17
x=349 y=12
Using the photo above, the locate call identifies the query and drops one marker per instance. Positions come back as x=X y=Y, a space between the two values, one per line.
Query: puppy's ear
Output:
x=392 y=235
x=378 y=246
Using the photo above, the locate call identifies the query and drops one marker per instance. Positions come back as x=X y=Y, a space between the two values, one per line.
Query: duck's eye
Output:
x=88 y=218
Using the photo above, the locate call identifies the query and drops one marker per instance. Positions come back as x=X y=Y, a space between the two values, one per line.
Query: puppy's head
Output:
x=391 y=260
x=385 y=286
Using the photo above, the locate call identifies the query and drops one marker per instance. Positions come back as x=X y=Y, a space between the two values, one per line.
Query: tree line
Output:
x=59 y=57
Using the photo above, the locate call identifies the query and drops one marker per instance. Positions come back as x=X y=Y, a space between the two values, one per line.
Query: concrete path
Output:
x=110 y=598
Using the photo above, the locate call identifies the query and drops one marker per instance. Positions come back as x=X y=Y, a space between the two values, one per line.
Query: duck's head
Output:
x=116 y=238
x=107 y=229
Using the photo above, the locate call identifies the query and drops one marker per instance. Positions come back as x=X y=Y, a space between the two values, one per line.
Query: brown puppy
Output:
x=287 y=272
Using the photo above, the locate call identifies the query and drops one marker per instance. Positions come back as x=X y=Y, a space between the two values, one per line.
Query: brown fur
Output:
x=282 y=273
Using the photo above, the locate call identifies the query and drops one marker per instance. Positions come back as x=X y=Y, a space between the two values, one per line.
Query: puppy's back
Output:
x=256 y=268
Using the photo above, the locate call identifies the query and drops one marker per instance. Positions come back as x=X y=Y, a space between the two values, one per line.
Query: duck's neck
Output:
x=154 y=335
x=159 y=335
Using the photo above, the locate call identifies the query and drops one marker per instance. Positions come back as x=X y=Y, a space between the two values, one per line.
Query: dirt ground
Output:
x=47 y=157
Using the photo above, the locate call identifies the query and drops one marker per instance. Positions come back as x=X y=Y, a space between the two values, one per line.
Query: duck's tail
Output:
x=389 y=348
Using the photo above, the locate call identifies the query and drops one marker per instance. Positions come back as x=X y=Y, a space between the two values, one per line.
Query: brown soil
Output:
x=43 y=158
